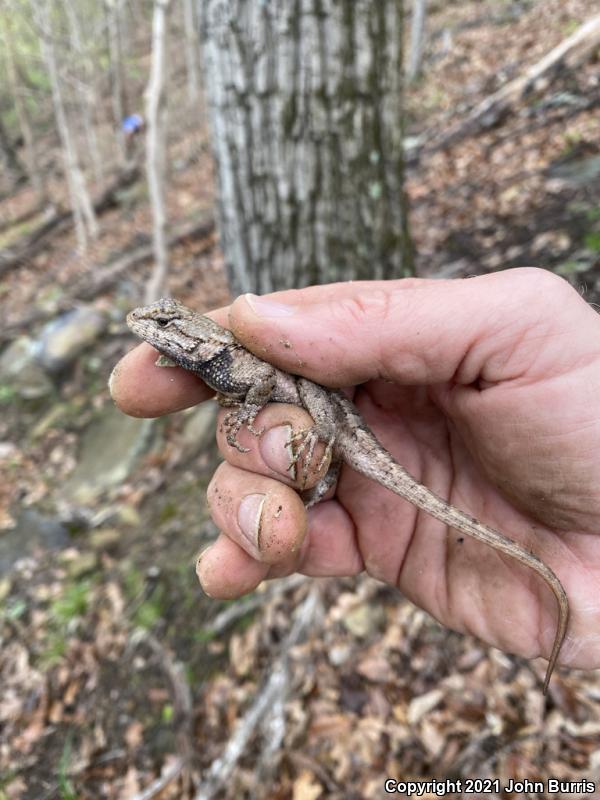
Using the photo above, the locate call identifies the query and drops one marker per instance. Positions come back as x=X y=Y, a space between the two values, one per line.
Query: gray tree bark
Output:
x=156 y=135
x=82 y=74
x=191 y=53
x=417 y=38
x=81 y=205
x=306 y=108
x=118 y=93
x=31 y=153
x=8 y=154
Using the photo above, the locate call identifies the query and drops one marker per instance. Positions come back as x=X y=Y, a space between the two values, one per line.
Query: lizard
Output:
x=245 y=383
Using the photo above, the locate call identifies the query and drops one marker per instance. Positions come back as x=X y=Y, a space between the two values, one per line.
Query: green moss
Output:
x=65 y=787
x=168 y=512
x=8 y=394
x=148 y=614
x=592 y=241
x=64 y=610
x=73 y=603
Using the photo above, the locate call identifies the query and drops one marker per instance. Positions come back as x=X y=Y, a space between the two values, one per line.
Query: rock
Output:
x=5 y=587
x=364 y=620
x=77 y=563
x=65 y=337
x=51 y=419
x=33 y=531
x=577 y=172
x=128 y=516
x=339 y=654
x=20 y=370
x=104 y=538
x=422 y=705
x=199 y=429
x=109 y=451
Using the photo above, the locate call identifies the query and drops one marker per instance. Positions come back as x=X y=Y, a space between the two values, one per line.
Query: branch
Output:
x=570 y=53
x=272 y=695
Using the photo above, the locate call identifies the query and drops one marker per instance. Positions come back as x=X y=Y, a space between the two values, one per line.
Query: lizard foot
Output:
x=304 y=443
x=235 y=420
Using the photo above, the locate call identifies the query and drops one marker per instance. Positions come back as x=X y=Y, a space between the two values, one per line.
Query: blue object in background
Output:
x=132 y=124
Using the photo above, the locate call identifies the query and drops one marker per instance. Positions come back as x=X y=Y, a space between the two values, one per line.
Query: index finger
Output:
x=142 y=389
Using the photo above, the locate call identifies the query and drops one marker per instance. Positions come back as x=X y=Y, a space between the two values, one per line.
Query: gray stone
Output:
x=578 y=172
x=77 y=563
x=65 y=337
x=104 y=539
x=199 y=429
x=32 y=532
x=20 y=370
x=109 y=451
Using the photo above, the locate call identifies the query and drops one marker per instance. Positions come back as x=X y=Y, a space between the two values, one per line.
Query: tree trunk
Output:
x=83 y=76
x=191 y=53
x=417 y=38
x=118 y=93
x=31 y=154
x=156 y=118
x=8 y=154
x=306 y=107
x=81 y=205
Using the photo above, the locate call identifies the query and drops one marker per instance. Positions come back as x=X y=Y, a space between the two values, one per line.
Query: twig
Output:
x=571 y=52
x=256 y=600
x=273 y=692
x=182 y=704
x=159 y=784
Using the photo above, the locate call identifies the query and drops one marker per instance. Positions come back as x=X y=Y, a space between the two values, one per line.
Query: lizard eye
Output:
x=162 y=322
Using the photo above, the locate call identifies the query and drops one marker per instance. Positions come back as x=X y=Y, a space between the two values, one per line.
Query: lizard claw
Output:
x=304 y=443
x=235 y=420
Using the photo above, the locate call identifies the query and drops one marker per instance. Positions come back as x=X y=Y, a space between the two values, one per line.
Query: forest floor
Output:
x=115 y=669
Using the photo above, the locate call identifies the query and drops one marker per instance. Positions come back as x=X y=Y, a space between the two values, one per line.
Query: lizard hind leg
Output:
x=312 y=496
x=303 y=444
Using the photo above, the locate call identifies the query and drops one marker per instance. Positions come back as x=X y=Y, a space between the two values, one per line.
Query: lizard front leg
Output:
x=245 y=412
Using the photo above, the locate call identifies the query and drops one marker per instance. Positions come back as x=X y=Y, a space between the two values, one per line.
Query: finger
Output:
x=268 y=520
x=409 y=331
x=226 y=571
x=272 y=452
x=263 y=516
x=140 y=388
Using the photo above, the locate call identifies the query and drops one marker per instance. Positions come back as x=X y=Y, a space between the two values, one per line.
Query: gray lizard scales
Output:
x=246 y=383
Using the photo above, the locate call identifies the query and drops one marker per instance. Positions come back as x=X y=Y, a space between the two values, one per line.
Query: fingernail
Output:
x=201 y=555
x=111 y=380
x=249 y=520
x=276 y=450
x=265 y=307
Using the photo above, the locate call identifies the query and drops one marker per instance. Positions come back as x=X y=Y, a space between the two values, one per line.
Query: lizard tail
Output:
x=376 y=463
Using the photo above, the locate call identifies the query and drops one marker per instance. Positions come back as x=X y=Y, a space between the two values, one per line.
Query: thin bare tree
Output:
x=417 y=39
x=117 y=77
x=191 y=52
x=86 y=225
x=82 y=74
x=156 y=134
x=17 y=91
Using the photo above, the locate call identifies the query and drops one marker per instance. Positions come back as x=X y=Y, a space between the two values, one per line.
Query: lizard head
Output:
x=179 y=332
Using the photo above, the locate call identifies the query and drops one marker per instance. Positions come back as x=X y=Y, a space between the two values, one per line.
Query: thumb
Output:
x=409 y=331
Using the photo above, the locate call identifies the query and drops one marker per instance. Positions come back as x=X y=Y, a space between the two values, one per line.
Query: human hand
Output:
x=484 y=389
